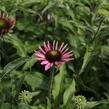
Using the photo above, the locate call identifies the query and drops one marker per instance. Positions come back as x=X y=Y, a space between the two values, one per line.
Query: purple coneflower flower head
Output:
x=52 y=55
x=6 y=23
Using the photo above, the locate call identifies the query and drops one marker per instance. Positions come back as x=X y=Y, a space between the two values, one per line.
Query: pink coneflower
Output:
x=6 y=23
x=52 y=55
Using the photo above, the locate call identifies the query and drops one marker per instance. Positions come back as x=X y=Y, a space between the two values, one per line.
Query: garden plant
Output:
x=54 y=54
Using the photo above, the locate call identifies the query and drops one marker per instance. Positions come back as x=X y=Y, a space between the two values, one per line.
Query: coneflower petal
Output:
x=8 y=23
x=67 y=55
x=51 y=64
x=65 y=51
x=53 y=47
x=61 y=46
x=59 y=63
x=47 y=66
x=45 y=47
x=49 y=48
x=44 y=62
x=67 y=59
x=56 y=45
x=41 y=49
x=40 y=58
x=39 y=54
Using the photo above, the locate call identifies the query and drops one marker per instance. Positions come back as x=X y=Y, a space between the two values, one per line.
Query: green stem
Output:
x=1 y=49
x=51 y=84
x=89 y=54
x=99 y=27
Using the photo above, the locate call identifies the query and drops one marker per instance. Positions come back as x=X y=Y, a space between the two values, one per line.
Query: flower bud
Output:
x=79 y=102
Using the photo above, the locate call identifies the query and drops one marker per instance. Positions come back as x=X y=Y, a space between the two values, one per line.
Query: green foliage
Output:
x=84 y=25
x=59 y=83
x=69 y=93
x=37 y=80
x=14 y=65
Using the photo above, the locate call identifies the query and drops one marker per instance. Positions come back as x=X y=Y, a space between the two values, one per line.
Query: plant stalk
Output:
x=99 y=27
x=51 y=85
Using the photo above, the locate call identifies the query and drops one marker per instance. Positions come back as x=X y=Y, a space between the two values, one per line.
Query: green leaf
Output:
x=5 y=106
x=37 y=80
x=14 y=65
x=95 y=103
x=48 y=104
x=69 y=93
x=50 y=5
x=23 y=106
x=29 y=2
x=30 y=63
x=17 y=43
x=91 y=104
x=103 y=12
x=59 y=83
x=105 y=51
x=66 y=24
x=87 y=57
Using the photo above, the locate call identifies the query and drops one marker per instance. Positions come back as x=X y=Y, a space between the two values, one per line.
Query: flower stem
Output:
x=1 y=50
x=51 y=84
